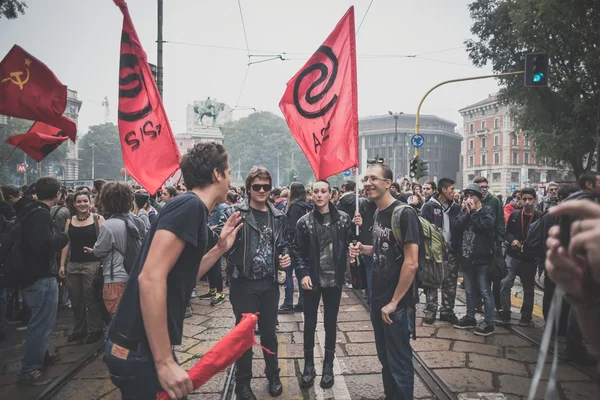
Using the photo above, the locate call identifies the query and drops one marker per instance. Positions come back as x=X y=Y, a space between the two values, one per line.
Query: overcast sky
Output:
x=79 y=41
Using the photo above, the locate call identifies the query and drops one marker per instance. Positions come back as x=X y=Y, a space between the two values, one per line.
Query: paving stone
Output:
x=426 y=331
x=78 y=389
x=201 y=348
x=430 y=344
x=291 y=389
x=579 y=391
x=360 y=365
x=365 y=386
x=564 y=373
x=186 y=344
x=8 y=379
x=529 y=355
x=190 y=363
x=461 y=380
x=290 y=350
x=361 y=349
x=421 y=391
x=487 y=349
x=196 y=319
x=495 y=364
x=351 y=300
x=224 y=312
x=296 y=317
x=354 y=316
x=443 y=359
x=356 y=326
x=486 y=396
x=54 y=371
x=214 y=385
x=212 y=334
x=288 y=327
x=459 y=334
x=517 y=385
x=192 y=330
x=11 y=367
x=204 y=396
x=298 y=337
x=219 y=322
x=284 y=337
x=507 y=340
x=360 y=337
x=351 y=308
x=286 y=366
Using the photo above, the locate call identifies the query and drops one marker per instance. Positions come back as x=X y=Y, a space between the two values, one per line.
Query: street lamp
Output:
x=395 y=115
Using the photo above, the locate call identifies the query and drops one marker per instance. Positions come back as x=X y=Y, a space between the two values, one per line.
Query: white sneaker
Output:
x=194 y=293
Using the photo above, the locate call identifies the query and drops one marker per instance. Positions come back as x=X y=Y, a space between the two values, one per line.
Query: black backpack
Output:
x=135 y=240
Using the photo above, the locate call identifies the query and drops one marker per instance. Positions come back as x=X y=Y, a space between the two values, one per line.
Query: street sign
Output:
x=348 y=172
x=399 y=176
x=513 y=188
x=21 y=168
x=417 y=140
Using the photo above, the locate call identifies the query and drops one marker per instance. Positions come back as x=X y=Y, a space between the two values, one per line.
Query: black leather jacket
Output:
x=239 y=257
x=306 y=249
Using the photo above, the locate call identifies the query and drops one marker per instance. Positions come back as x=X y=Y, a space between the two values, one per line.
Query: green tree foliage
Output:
x=10 y=9
x=564 y=119
x=257 y=140
x=106 y=154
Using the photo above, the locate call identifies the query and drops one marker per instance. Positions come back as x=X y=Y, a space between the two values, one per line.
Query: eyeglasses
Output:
x=483 y=187
x=553 y=189
x=265 y=187
x=372 y=179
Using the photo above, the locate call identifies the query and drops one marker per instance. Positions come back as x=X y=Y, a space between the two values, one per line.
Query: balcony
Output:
x=483 y=132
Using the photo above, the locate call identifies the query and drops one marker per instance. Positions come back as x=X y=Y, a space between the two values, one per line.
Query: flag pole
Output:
x=7 y=158
x=357 y=197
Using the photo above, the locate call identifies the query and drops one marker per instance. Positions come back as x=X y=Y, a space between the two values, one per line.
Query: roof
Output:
x=409 y=117
x=492 y=98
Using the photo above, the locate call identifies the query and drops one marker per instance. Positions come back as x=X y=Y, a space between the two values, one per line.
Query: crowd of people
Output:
x=127 y=263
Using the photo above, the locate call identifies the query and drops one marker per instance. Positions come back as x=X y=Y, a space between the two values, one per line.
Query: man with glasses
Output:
x=550 y=200
x=260 y=250
x=520 y=262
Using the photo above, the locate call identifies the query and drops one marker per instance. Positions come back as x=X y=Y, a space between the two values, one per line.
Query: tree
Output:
x=10 y=9
x=564 y=119
x=106 y=154
x=258 y=140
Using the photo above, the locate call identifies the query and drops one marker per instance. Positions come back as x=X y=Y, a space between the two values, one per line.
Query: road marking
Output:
x=517 y=302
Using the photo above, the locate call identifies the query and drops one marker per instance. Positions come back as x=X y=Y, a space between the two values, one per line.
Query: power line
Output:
x=244 y=28
x=364 y=16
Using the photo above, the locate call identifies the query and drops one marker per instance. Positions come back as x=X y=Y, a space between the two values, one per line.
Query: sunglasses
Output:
x=265 y=187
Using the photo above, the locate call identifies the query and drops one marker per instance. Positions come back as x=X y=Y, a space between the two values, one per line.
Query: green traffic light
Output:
x=538 y=77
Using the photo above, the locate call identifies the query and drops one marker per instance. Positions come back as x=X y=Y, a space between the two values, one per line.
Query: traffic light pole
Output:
x=471 y=78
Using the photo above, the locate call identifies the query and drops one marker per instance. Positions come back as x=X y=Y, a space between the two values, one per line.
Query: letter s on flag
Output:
x=320 y=104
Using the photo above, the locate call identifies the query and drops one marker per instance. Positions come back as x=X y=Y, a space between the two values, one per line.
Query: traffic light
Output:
x=414 y=167
x=423 y=169
x=536 y=69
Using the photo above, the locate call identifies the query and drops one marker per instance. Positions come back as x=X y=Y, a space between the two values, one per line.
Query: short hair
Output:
x=257 y=173
x=171 y=190
x=242 y=189
x=516 y=193
x=198 y=164
x=396 y=186
x=232 y=197
x=276 y=192
x=444 y=183
x=324 y=181
x=588 y=176
x=117 y=198
x=99 y=184
x=386 y=170
x=343 y=187
x=10 y=190
x=47 y=188
x=530 y=191
x=432 y=184
x=565 y=191
x=480 y=179
x=350 y=186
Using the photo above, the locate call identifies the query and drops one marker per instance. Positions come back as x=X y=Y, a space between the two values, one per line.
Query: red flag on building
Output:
x=30 y=90
x=320 y=103
x=39 y=141
x=149 y=149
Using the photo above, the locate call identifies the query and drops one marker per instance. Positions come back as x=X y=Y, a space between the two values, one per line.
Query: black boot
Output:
x=244 y=392
x=275 y=386
x=327 y=378
x=309 y=374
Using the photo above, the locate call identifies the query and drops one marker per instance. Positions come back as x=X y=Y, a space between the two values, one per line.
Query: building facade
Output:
x=494 y=147
x=378 y=138
x=70 y=167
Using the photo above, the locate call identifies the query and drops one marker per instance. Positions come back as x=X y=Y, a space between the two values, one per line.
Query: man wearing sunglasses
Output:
x=252 y=263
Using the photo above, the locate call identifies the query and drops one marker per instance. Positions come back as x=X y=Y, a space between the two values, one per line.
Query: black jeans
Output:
x=331 y=302
x=394 y=351
x=252 y=296
x=215 y=277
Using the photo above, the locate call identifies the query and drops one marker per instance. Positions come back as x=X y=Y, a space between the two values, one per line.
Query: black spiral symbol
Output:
x=310 y=99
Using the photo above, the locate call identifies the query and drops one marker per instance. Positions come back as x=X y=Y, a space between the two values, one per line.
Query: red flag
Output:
x=149 y=149
x=231 y=347
x=320 y=103
x=39 y=141
x=30 y=90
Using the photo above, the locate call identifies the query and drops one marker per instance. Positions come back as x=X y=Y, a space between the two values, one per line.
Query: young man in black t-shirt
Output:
x=393 y=294
x=149 y=320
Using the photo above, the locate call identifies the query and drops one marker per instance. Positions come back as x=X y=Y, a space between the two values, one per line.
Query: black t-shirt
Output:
x=387 y=257
x=185 y=216
x=327 y=273
x=262 y=263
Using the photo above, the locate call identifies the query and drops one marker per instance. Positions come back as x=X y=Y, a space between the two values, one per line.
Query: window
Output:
x=483 y=159
x=526 y=142
x=180 y=143
x=514 y=177
x=471 y=128
x=496 y=176
x=496 y=123
x=470 y=161
x=483 y=143
x=471 y=177
x=515 y=140
x=515 y=159
x=497 y=158
x=435 y=138
x=525 y=158
x=482 y=125
x=471 y=144
x=497 y=140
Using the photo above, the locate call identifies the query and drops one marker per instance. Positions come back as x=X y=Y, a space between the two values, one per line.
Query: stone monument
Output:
x=204 y=119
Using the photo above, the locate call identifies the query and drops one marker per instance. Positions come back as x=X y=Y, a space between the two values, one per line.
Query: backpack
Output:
x=431 y=273
x=135 y=240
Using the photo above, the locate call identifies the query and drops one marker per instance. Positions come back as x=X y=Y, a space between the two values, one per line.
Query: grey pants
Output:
x=86 y=308
x=448 y=289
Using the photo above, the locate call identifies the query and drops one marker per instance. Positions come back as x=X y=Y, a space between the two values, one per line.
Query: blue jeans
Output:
x=42 y=300
x=289 y=289
x=136 y=376
x=476 y=276
x=394 y=351
x=368 y=260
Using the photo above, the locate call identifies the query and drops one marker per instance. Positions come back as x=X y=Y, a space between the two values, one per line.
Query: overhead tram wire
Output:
x=363 y=18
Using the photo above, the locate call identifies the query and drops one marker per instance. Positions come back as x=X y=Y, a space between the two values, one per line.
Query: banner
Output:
x=39 y=141
x=149 y=149
x=320 y=103
x=30 y=90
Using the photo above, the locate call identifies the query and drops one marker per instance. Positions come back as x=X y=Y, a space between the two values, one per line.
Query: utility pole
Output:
x=395 y=115
x=106 y=109
x=93 y=161
x=278 y=181
x=159 y=50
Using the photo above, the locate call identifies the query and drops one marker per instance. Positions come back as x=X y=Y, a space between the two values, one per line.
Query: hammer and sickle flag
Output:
x=150 y=153
x=39 y=141
x=30 y=90
x=320 y=103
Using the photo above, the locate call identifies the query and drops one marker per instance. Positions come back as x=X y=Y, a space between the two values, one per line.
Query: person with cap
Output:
x=550 y=200
x=473 y=235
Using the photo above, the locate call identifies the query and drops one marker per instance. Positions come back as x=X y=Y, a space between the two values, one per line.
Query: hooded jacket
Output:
x=514 y=231
x=433 y=211
x=306 y=250
x=482 y=222
x=509 y=209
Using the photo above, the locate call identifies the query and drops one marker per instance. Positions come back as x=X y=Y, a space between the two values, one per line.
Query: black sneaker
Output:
x=487 y=330
x=218 y=299
x=525 y=320
x=188 y=312
x=244 y=392
x=286 y=309
x=299 y=308
x=94 y=337
x=466 y=323
x=451 y=317
x=34 y=378
x=208 y=295
x=429 y=319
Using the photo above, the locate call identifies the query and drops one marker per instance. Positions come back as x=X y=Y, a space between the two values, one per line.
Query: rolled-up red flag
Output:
x=231 y=347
